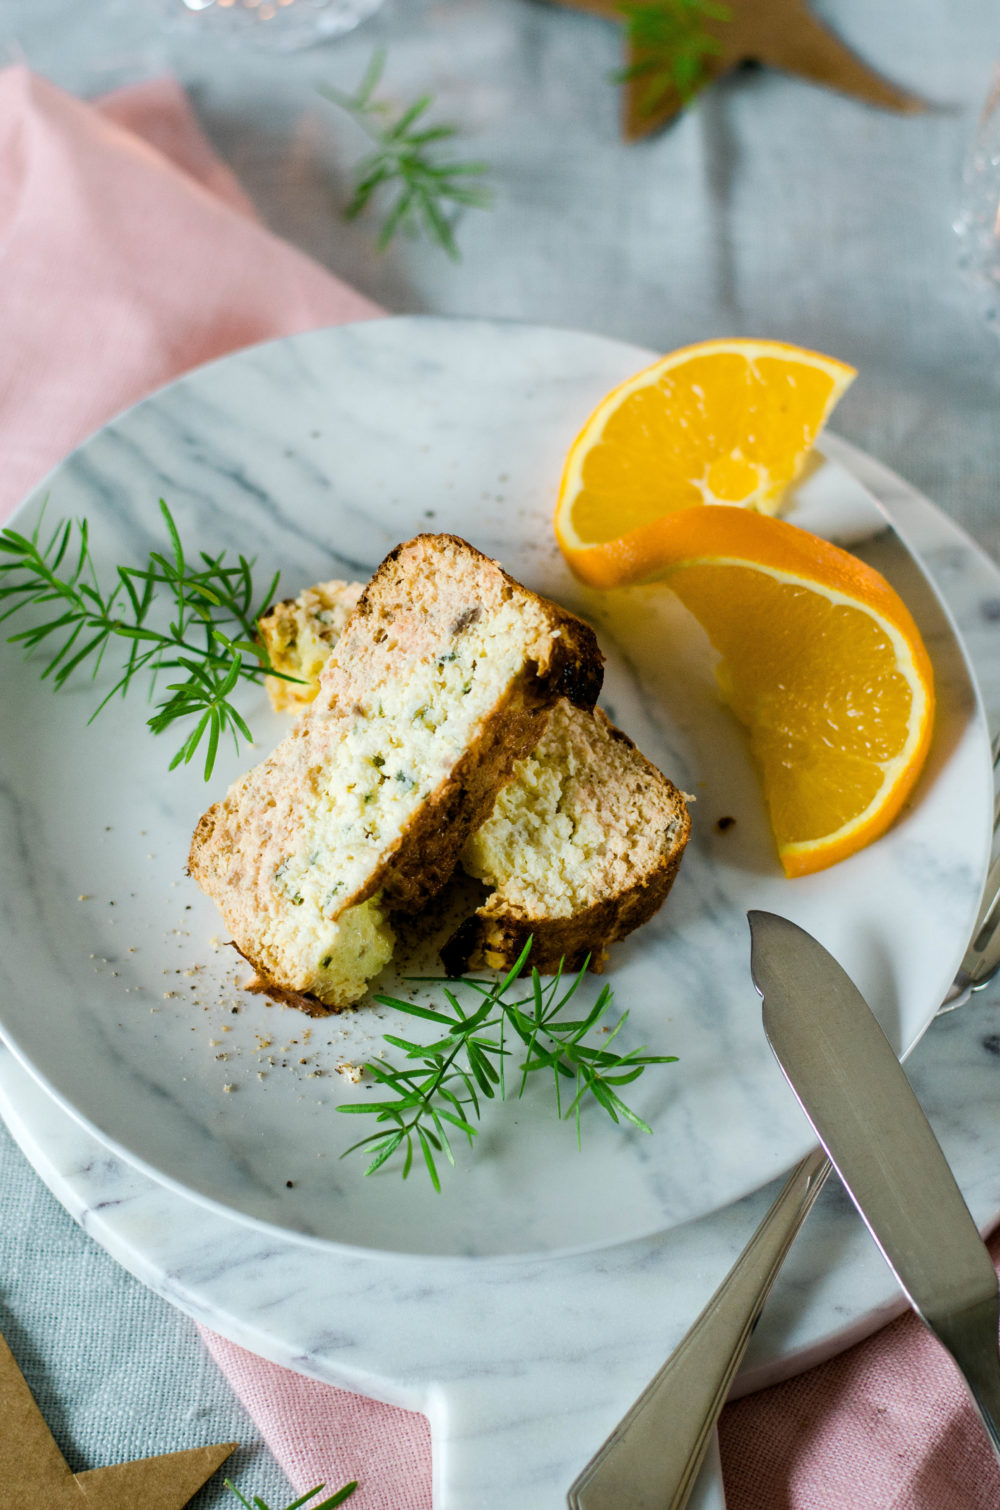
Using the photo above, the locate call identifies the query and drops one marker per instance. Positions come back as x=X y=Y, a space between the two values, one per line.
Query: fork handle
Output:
x=653 y=1455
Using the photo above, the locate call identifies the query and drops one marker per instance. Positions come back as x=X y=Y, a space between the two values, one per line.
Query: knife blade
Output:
x=855 y=1093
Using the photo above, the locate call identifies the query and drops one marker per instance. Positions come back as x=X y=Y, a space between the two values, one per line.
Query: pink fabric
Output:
x=322 y=1435
x=128 y=254
x=886 y=1426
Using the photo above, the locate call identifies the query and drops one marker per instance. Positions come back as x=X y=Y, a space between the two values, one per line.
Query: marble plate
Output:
x=318 y=454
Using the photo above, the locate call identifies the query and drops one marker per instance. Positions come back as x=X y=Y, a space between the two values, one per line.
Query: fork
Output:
x=982 y=958
x=653 y=1456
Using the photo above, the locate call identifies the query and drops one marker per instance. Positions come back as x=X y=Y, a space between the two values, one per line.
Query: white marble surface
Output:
x=449 y=1338
x=319 y=454
x=513 y=1422
x=772 y=208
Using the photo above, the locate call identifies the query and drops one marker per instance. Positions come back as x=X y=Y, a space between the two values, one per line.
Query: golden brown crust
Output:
x=503 y=924
x=426 y=594
x=569 y=941
x=428 y=852
x=574 y=664
x=303 y=1000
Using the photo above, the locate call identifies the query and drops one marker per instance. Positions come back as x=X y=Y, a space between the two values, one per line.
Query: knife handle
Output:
x=653 y=1455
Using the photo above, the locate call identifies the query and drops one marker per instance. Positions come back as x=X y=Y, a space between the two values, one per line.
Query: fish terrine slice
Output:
x=442 y=679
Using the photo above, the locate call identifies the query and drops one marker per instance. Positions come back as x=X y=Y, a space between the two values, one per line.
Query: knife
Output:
x=853 y=1089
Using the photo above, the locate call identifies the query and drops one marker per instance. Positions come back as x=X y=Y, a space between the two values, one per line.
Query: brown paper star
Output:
x=782 y=33
x=34 y=1475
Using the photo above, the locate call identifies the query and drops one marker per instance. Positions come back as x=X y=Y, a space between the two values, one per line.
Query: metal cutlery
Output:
x=982 y=957
x=653 y=1456
x=855 y=1093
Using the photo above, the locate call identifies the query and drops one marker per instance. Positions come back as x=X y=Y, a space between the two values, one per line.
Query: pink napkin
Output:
x=130 y=254
x=885 y=1426
x=322 y=1435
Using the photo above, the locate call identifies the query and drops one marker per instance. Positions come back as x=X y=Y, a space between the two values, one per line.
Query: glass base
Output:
x=282 y=25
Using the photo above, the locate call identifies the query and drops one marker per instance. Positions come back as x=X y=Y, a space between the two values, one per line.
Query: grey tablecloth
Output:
x=772 y=208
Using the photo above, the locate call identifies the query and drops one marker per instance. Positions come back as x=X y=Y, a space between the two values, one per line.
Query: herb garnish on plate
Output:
x=208 y=640
x=446 y=1078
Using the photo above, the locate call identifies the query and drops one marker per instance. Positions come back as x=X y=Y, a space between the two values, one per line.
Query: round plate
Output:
x=318 y=454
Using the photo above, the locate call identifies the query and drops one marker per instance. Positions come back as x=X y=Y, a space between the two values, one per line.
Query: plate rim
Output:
x=316 y=1240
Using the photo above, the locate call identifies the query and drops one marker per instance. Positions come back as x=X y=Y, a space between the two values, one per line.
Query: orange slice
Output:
x=821 y=660
x=720 y=422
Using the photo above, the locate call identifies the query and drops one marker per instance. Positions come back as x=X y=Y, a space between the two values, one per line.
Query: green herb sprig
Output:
x=405 y=159
x=672 y=46
x=208 y=640
x=335 y=1499
x=442 y=1087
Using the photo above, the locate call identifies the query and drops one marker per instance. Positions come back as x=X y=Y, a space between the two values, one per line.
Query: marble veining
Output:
x=512 y=1422
x=317 y=454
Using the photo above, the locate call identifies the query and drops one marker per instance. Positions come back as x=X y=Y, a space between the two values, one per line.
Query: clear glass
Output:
x=281 y=24
x=977 y=224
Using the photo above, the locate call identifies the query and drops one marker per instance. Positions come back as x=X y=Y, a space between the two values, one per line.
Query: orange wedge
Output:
x=821 y=660
x=720 y=422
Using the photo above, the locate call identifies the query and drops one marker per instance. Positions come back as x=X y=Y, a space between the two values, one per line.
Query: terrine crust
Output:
x=435 y=611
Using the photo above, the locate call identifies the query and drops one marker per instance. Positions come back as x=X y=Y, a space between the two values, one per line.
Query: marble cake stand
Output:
x=524 y=1366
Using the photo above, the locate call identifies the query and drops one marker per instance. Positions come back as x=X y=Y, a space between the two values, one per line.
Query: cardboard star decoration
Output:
x=781 y=33
x=34 y=1475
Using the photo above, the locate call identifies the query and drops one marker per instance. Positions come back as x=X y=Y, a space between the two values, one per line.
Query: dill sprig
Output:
x=442 y=1087
x=405 y=159
x=671 y=46
x=335 y=1499
x=209 y=639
